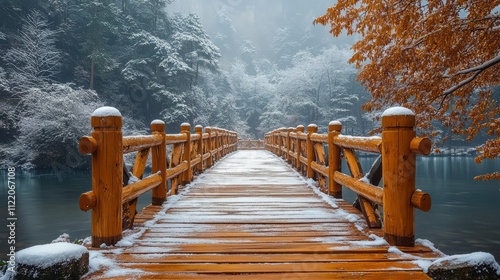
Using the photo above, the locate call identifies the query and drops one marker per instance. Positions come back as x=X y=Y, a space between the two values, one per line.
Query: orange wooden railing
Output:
x=250 y=144
x=319 y=156
x=115 y=191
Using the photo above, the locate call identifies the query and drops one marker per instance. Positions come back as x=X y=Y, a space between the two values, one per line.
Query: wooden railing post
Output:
x=300 y=129
x=288 y=145
x=398 y=173
x=199 y=130
x=224 y=142
x=107 y=176
x=210 y=147
x=334 y=159
x=312 y=128
x=280 y=142
x=216 y=143
x=159 y=163
x=187 y=175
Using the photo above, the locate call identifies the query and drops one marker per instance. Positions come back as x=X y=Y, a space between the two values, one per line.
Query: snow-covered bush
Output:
x=50 y=122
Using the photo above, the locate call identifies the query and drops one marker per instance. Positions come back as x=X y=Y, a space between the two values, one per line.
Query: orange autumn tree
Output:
x=439 y=58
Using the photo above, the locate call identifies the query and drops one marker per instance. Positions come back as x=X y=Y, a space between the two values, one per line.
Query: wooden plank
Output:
x=259 y=248
x=345 y=267
x=254 y=258
x=372 y=275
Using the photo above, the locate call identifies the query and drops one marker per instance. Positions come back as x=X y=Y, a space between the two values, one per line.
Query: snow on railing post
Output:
x=398 y=172
x=159 y=163
x=334 y=159
x=107 y=176
x=312 y=128
x=186 y=175
x=199 y=130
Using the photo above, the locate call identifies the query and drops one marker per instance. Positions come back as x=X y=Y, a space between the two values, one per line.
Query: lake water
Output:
x=463 y=219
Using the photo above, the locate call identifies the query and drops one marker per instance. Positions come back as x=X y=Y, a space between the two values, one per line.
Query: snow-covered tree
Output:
x=33 y=59
x=100 y=29
x=225 y=36
x=252 y=93
x=50 y=121
x=192 y=43
x=315 y=89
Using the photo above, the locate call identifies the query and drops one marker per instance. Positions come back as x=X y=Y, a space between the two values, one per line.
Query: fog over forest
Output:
x=258 y=21
x=248 y=66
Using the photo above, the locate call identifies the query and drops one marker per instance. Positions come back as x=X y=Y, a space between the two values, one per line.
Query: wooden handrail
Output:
x=397 y=146
x=112 y=200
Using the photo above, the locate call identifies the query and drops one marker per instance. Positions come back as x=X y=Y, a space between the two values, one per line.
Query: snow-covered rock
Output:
x=52 y=261
x=477 y=265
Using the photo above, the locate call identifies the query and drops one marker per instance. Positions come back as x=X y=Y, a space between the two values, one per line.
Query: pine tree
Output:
x=33 y=59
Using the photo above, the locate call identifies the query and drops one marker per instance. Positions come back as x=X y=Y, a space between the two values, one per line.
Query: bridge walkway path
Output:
x=252 y=216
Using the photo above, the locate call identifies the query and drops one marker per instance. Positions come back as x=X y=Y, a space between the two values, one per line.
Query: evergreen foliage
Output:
x=62 y=59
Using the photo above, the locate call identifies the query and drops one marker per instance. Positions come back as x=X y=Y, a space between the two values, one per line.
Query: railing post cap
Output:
x=198 y=128
x=334 y=126
x=312 y=128
x=185 y=126
x=157 y=125
x=398 y=117
x=300 y=128
x=106 y=117
x=106 y=111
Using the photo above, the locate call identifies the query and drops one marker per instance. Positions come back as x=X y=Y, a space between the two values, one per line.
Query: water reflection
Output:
x=464 y=213
x=463 y=218
x=46 y=208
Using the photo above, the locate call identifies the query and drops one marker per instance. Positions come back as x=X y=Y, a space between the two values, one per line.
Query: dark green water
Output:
x=463 y=219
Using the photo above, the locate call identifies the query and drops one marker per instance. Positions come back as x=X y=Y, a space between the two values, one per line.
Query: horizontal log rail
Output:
x=250 y=144
x=319 y=156
x=115 y=189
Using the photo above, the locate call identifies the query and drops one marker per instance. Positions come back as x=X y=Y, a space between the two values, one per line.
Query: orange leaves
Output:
x=439 y=57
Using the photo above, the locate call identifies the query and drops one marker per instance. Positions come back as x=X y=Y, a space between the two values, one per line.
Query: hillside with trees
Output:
x=62 y=59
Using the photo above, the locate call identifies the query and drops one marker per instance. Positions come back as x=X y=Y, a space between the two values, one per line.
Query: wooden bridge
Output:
x=250 y=214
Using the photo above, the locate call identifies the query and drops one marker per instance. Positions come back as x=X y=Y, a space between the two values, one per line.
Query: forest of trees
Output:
x=62 y=59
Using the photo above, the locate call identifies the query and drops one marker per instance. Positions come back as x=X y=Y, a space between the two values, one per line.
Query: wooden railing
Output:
x=115 y=189
x=250 y=144
x=319 y=156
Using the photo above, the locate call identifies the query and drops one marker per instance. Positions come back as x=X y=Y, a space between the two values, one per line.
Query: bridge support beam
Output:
x=398 y=172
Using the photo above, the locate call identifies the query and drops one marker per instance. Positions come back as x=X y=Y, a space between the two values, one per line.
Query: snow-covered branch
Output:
x=476 y=70
x=461 y=84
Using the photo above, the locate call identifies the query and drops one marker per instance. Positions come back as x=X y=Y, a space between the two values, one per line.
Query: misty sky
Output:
x=257 y=20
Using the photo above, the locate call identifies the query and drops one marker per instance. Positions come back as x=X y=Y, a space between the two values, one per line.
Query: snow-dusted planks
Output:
x=252 y=217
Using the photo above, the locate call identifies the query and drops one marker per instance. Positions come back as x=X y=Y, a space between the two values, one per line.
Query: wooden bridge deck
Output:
x=253 y=217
